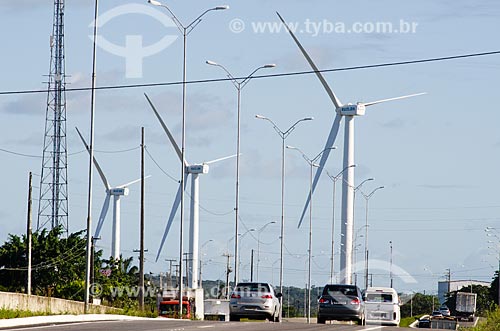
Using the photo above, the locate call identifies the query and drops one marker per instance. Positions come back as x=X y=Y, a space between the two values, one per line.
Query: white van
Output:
x=382 y=306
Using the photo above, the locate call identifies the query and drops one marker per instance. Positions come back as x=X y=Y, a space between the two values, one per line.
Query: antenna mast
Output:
x=53 y=201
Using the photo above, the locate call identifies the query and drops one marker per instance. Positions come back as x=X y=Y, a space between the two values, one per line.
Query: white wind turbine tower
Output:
x=194 y=170
x=116 y=192
x=349 y=111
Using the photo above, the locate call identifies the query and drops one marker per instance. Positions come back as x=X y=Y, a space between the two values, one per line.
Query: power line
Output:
x=286 y=74
x=70 y=154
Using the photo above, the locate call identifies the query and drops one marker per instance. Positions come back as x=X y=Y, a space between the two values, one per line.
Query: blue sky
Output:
x=436 y=155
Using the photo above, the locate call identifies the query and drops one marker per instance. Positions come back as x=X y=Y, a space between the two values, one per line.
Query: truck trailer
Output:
x=465 y=307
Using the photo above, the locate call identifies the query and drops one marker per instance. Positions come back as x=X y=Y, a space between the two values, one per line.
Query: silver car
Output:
x=255 y=301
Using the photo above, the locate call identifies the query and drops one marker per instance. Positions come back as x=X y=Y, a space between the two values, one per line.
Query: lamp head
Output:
x=260 y=117
x=308 y=118
x=268 y=66
x=210 y=63
x=155 y=3
x=222 y=7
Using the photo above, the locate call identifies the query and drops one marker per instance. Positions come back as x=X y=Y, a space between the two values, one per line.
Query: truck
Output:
x=168 y=304
x=465 y=307
x=170 y=308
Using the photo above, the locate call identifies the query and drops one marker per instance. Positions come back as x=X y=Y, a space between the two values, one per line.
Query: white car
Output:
x=444 y=311
x=382 y=306
x=254 y=301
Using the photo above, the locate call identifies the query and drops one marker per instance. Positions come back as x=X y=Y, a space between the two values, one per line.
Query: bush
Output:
x=492 y=322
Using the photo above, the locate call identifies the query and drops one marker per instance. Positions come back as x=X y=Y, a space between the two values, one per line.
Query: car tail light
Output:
x=323 y=300
x=355 y=301
x=235 y=296
x=267 y=296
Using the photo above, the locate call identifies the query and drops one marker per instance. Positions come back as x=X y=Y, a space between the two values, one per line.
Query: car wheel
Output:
x=321 y=320
x=234 y=318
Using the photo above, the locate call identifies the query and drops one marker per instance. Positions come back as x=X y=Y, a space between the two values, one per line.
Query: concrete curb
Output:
x=62 y=319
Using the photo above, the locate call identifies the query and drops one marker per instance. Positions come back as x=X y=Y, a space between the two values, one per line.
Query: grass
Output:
x=10 y=313
x=492 y=322
x=406 y=321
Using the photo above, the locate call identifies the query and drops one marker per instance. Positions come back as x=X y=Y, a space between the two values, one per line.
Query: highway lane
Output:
x=176 y=325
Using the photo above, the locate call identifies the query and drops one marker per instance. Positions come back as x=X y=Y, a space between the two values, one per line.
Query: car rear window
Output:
x=334 y=290
x=252 y=287
x=378 y=297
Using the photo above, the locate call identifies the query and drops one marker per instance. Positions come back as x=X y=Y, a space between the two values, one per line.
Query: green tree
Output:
x=117 y=282
x=419 y=304
x=58 y=264
x=494 y=288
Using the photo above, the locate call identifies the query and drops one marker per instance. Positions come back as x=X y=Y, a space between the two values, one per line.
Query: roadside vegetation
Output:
x=58 y=270
x=9 y=313
x=492 y=322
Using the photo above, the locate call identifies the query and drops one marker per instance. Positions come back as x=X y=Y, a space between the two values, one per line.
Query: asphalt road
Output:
x=173 y=325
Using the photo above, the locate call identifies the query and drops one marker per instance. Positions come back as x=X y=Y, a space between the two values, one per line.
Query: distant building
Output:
x=444 y=287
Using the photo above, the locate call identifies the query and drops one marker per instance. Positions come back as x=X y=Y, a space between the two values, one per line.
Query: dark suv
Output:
x=341 y=302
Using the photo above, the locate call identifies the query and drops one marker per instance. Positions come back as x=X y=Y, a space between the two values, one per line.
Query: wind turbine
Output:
x=349 y=111
x=194 y=170
x=116 y=192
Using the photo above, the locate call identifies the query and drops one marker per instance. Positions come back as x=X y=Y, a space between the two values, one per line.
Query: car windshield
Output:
x=378 y=297
x=335 y=290
x=252 y=287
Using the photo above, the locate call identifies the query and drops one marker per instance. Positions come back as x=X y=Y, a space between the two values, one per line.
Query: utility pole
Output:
x=228 y=271
x=169 y=277
x=28 y=233
x=251 y=267
x=141 y=253
x=390 y=243
x=448 y=277
x=187 y=259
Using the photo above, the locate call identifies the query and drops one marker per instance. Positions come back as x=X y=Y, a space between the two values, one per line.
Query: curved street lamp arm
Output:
x=321 y=153
x=291 y=128
x=245 y=81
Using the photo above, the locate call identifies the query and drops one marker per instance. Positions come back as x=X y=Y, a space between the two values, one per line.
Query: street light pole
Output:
x=334 y=179
x=239 y=84
x=259 y=231
x=390 y=243
x=241 y=239
x=283 y=135
x=185 y=30
x=349 y=242
x=312 y=164
x=367 y=197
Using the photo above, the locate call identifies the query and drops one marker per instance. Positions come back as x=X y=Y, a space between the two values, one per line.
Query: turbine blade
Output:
x=132 y=182
x=175 y=206
x=221 y=159
x=167 y=131
x=330 y=92
x=102 y=217
x=96 y=164
x=329 y=144
x=391 y=99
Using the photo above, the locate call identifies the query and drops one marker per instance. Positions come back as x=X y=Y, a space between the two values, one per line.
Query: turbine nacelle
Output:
x=119 y=191
x=197 y=169
x=351 y=110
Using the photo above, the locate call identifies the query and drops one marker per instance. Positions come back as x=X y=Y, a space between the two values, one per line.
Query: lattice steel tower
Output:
x=53 y=202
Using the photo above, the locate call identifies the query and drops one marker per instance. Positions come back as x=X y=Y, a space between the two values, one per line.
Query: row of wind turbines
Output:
x=343 y=111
